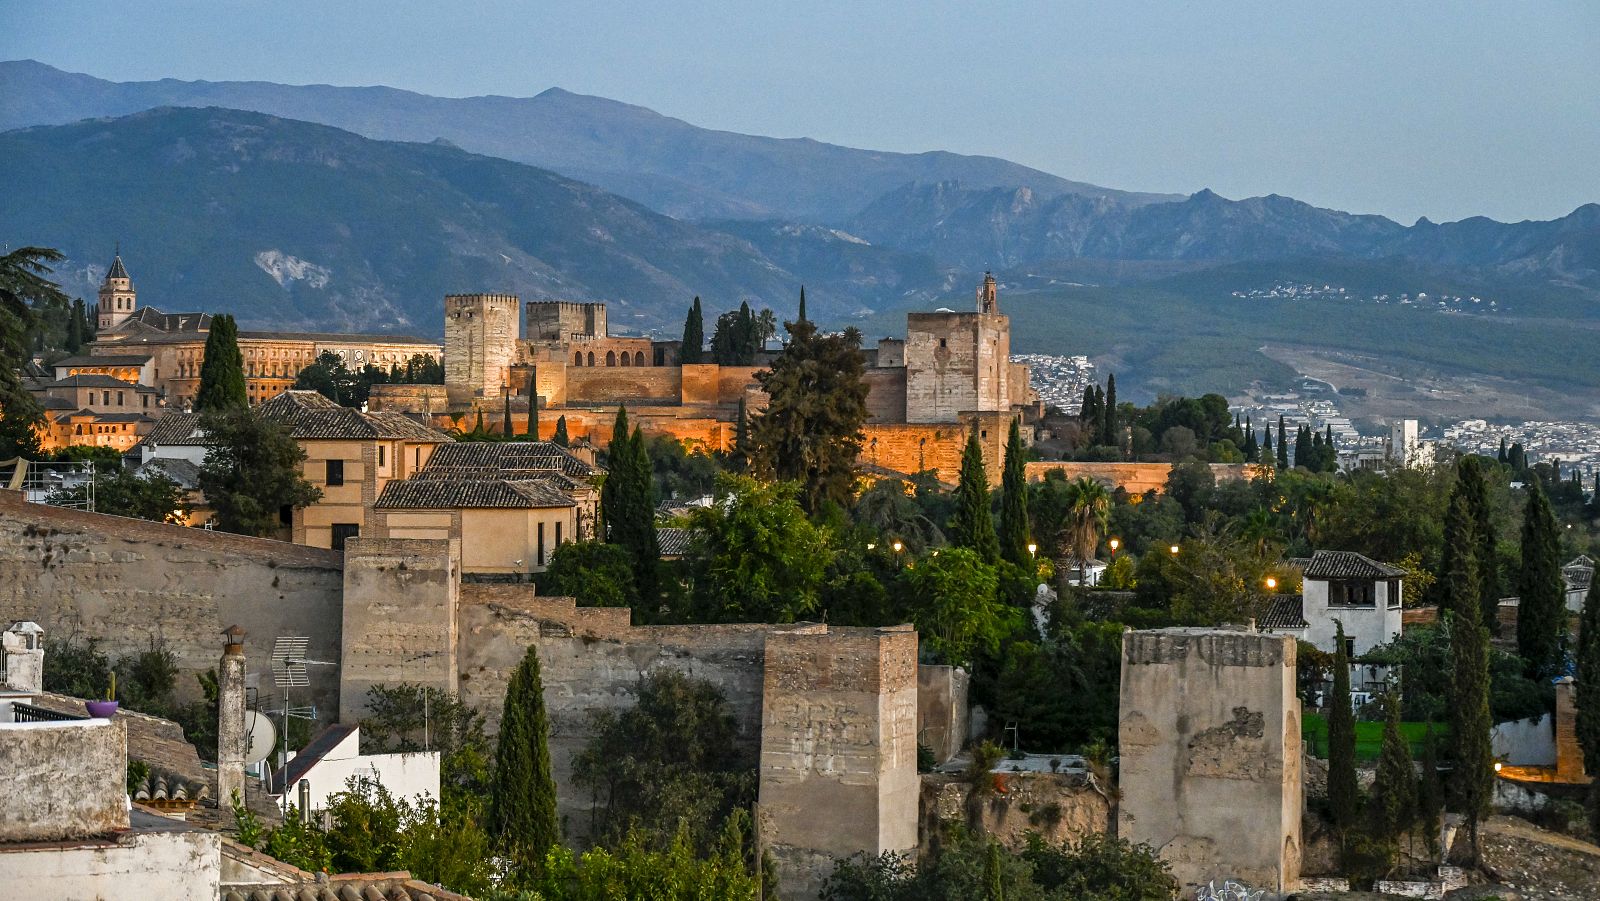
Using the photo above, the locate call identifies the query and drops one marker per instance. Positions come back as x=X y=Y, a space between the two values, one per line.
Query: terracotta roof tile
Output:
x=1327 y=565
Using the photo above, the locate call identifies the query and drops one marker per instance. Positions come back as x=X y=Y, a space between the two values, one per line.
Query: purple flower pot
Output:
x=101 y=709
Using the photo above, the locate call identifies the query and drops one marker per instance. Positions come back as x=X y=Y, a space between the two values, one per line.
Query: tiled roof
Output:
x=1286 y=612
x=505 y=459
x=185 y=473
x=338 y=336
x=470 y=493
x=105 y=417
x=309 y=415
x=177 y=428
x=160 y=785
x=117 y=270
x=674 y=542
x=104 y=360
x=51 y=402
x=1327 y=565
x=345 y=887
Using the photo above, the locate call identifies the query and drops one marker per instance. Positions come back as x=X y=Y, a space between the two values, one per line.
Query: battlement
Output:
x=463 y=303
x=565 y=320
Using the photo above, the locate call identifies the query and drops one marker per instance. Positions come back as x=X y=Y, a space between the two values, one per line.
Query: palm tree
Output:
x=1090 y=504
x=886 y=508
x=1260 y=529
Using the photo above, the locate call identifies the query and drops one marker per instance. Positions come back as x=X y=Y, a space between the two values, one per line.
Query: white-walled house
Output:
x=328 y=762
x=1342 y=587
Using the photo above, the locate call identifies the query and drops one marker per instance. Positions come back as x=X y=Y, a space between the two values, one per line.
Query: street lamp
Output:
x=1114 y=544
x=898 y=547
x=1174 y=550
x=1032 y=548
x=1271 y=583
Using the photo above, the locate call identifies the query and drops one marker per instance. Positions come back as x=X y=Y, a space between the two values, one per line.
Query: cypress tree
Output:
x=1588 y=679
x=1097 y=428
x=1472 y=778
x=802 y=316
x=1267 y=455
x=741 y=438
x=1108 y=433
x=1460 y=537
x=973 y=524
x=1283 y=446
x=1087 y=416
x=75 y=326
x=1302 y=446
x=613 y=488
x=222 y=371
x=1542 y=612
x=478 y=428
x=694 y=335
x=1344 y=800
x=522 y=801
x=641 y=538
x=1502 y=457
x=1475 y=491
x=1394 y=791
x=1430 y=791
x=560 y=437
x=1252 y=451
x=506 y=427
x=1518 y=458
x=1014 y=502
x=1330 y=453
x=993 y=885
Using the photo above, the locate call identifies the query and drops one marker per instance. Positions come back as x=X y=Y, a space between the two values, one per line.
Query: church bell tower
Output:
x=117 y=297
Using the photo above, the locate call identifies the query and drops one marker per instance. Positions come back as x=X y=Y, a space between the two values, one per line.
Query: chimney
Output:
x=231 y=748
x=23 y=647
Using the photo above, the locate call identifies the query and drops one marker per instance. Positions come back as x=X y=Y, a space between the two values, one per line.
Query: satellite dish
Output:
x=260 y=735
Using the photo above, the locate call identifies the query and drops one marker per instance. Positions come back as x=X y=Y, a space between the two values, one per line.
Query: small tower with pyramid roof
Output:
x=117 y=297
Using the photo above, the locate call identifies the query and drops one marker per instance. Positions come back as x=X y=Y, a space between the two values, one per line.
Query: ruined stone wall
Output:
x=655 y=385
x=1059 y=807
x=1137 y=478
x=409 y=398
x=400 y=603
x=480 y=344
x=942 y=709
x=1211 y=759
x=554 y=320
x=66 y=780
x=127 y=582
x=592 y=660
x=838 y=748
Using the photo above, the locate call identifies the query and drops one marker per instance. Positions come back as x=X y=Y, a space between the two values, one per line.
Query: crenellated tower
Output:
x=480 y=344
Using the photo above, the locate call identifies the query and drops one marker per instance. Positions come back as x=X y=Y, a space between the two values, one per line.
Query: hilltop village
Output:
x=546 y=612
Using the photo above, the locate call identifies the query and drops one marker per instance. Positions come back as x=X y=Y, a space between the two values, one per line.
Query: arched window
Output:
x=638 y=358
x=577 y=358
x=611 y=358
x=626 y=359
x=591 y=358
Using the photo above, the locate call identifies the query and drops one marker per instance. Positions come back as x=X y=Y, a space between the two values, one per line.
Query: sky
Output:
x=1437 y=109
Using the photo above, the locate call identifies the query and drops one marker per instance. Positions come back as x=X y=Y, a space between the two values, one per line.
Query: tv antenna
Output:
x=288 y=663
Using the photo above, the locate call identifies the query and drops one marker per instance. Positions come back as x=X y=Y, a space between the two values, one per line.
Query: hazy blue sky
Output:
x=1408 y=109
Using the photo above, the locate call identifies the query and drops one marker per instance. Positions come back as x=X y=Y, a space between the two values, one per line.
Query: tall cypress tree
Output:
x=522 y=801
x=1542 y=611
x=694 y=335
x=560 y=437
x=973 y=525
x=76 y=326
x=641 y=538
x=222 y=371
x=993 y=884
x=1472 y=778
x=1108 y=433
x=1097 y=428
x=740 y=454
x=1475 y=491
x=1087 y=416
x=1283 y=446
x=1394 y=791
x=506 y=427
x=1344 y=796
x=1252 y=451
x=802 y=315
x=1330 y=454
x=1014 y=502
x=1460 y=537
x=1502 y=457
x=1588 y=679
x=1430 y=791
x=1268 y=456
x=1302 y=447
x=612 y=490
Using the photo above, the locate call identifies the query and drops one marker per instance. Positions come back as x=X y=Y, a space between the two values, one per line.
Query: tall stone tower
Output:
x=117 y=297
x=958 y=363
x=480 y=344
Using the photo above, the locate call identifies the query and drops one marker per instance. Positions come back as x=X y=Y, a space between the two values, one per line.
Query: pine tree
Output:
x=1588 y=679
x=1542 y=611
x=522 y=802
x=801 y=317
x=1108 y=434
x=222 y=371
x=1430 y=791
x=1472 y=778
x=694 y=335
x=1394 y=791
x=560 y=437
x=1283 y=446
x=1344 y=800
x=973 y=524
x=1014 y=502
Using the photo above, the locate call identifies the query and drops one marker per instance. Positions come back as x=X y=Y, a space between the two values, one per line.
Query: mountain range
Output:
x=349 y=207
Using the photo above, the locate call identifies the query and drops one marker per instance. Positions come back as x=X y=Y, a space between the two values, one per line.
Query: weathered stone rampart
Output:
x=1137 y=478
x=66 y=780
x=127 y=582
x=1210 y=742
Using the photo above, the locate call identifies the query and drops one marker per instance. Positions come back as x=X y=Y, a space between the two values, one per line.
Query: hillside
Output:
x=299 y=225
x=664 y=163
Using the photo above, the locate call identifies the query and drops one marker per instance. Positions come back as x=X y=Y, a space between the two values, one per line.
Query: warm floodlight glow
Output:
x=1271 y=582
x=1174 y=549
x=898 y=547
x=1033 y=548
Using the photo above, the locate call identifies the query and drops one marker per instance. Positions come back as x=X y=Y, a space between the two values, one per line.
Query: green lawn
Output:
x=1369 y=737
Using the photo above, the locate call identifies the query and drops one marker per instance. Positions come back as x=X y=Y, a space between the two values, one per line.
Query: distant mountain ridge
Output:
x=289 y=224
x=667 y=164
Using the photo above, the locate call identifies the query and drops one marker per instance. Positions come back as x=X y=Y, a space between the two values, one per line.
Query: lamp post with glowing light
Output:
x=1114 y=544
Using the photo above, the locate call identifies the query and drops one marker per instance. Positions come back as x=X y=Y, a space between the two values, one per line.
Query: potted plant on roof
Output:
x=104 y=709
